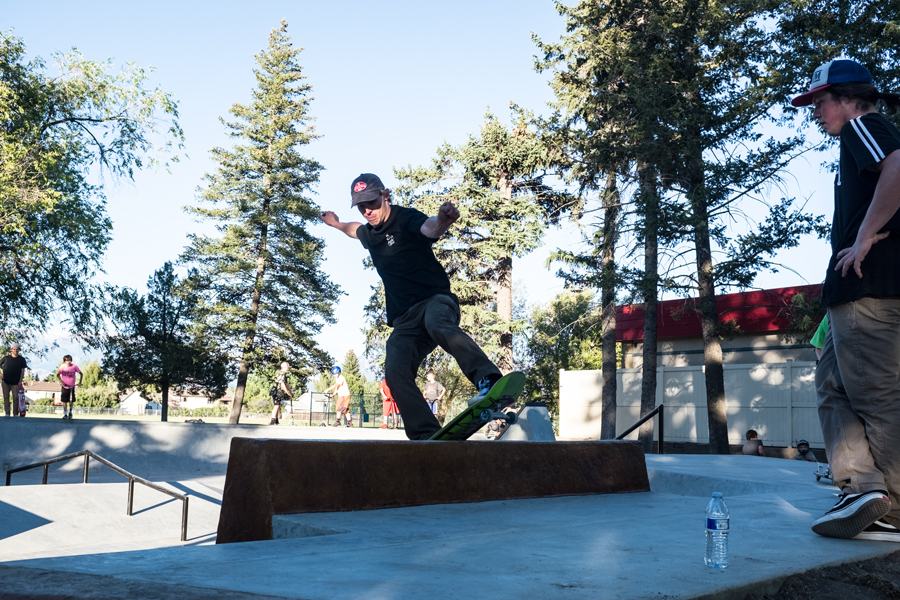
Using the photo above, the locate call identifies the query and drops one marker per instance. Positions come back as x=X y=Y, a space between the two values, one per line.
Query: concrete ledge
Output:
x=268 y=477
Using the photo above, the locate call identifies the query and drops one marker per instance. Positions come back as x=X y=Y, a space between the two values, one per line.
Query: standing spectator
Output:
x=390 y=416
x=433 y=392
x=342 y=391
x=281 y=390
x=803 y=452
x=858 y=377
x=13 y=366
x=754 y=446
x=66 y=374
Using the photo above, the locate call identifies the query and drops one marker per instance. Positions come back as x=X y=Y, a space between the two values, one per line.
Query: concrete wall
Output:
x=152 y=450
x=778 y=400
x=745 y=349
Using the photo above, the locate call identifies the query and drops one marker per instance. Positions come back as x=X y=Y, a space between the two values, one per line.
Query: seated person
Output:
x=803 y=452
x=754 y=445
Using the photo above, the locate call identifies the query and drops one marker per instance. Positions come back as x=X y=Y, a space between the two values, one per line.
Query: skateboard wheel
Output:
x=512 y=418
x=487 y=415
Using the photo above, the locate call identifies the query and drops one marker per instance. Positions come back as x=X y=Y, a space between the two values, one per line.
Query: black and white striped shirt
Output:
x=865 y=141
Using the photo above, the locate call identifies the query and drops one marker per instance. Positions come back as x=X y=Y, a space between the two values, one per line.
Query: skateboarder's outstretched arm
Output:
x=329 y=218
x=438 y=225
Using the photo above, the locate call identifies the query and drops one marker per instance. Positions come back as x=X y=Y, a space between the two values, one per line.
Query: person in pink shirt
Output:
x=66 y=373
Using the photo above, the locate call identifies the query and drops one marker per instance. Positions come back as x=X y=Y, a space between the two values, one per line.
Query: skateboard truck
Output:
x=488 y=415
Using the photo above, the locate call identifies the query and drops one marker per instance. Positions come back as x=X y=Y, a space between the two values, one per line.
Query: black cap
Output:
x=364 y=188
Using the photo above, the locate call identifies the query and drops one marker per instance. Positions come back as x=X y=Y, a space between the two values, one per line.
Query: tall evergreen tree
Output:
x=266 y=296
x=350 y=370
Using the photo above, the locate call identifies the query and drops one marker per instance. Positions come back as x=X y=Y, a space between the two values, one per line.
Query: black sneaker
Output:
x=852 y=514
x=273 y=422
x=879 y=531
x=484 y=386
x=65 y=416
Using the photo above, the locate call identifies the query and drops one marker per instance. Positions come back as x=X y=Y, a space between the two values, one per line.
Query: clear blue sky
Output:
x=391 y=80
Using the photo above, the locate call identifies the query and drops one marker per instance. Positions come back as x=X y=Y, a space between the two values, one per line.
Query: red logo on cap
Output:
x=360 y=186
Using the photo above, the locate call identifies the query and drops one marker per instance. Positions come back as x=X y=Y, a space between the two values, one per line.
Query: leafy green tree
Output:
x=564 y=334
x=92 y=374
x=156 y=343
x=496 y=179
x=57 y=132
x=265 y=294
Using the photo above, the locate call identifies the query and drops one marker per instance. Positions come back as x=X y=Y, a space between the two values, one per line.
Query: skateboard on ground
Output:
x=504 y=393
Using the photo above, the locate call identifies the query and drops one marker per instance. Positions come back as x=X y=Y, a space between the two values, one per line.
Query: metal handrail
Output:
x=88 y=455
x=659 y=410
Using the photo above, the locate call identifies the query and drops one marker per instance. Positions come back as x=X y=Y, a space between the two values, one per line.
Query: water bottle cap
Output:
x=717 y=494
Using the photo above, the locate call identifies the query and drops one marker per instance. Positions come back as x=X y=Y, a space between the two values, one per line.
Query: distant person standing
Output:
x=390 y=416
x=66 y=374
x=433 y=392
x=342 y=391
x=754 y=446
x=281 y=390
x=13 y=366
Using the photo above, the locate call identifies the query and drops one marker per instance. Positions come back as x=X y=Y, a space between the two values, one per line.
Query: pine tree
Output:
x=265 y=294
x=352 y=373
x=156 y=344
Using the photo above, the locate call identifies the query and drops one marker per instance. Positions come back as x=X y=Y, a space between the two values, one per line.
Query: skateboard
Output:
x=487 y=409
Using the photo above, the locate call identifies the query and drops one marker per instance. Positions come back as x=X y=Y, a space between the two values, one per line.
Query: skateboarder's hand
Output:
x=329 y=218
x=448 y=214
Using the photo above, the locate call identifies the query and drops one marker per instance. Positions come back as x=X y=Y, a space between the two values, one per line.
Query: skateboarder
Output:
x=342 y=391
x=420 y=306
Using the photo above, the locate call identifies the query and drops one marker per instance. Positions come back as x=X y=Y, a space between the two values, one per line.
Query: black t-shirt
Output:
x=403 y=257
x=12 y=368
x=865 y=141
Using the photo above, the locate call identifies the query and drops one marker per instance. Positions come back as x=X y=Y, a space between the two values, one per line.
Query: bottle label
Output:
x=717 y=524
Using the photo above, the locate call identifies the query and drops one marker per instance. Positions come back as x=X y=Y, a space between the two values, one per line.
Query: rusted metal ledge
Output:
x=269 y=477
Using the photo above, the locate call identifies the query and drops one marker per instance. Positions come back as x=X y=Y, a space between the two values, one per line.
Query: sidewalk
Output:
x=646 y=545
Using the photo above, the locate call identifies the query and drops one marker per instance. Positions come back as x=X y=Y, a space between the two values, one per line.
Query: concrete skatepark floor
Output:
x=642 y=545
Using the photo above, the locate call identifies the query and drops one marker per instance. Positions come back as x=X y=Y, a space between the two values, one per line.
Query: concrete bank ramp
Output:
x=75 y=519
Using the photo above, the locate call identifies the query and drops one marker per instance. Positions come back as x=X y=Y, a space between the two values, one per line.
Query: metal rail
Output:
x=659 y=410
x=88 y=455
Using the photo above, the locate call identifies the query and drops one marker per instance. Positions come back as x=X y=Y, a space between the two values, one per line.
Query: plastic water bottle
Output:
x=717 y=522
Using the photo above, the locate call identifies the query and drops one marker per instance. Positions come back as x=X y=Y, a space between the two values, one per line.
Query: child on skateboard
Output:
x=420 y=306
x=342 y=391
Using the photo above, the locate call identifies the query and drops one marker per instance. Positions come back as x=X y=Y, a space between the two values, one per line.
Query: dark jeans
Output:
x=426 y=325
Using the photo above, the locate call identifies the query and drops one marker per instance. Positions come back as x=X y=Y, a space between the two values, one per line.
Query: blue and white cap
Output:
x=834 y=71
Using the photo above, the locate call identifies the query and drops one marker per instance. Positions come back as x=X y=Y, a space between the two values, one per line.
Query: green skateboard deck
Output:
x=505 y=392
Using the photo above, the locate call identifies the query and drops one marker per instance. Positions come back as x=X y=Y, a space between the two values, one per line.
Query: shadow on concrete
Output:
x=192 y=492
x=163 y=503
x=16 y=520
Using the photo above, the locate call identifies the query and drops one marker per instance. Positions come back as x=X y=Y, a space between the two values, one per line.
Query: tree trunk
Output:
x=238 y=403
x=165 y=399
x=650 y=292
x=504 y=296
x=709 y=320
x=609 y=383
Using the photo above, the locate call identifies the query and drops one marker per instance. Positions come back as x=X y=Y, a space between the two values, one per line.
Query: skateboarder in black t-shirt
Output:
x=858 y=376
x=420 y=306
